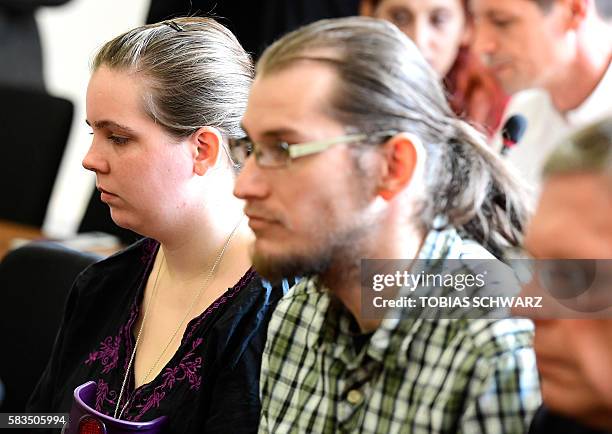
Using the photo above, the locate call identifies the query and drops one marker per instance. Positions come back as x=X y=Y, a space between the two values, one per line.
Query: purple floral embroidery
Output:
x=187 y=369
x=108 y=354
x=104 y=394
x=154 y=400
x=127 y=333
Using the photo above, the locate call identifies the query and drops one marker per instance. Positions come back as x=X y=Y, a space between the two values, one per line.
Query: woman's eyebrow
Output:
x=108 y=123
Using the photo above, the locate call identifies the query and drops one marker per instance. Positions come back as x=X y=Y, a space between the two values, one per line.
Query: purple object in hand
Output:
x=84 y=418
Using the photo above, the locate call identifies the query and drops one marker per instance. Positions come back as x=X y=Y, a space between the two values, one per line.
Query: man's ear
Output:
x=206 y=142
x=404 y=155
x=467 y=36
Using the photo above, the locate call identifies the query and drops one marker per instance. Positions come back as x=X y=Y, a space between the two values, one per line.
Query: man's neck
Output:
x=343 y=278
x=580 y=79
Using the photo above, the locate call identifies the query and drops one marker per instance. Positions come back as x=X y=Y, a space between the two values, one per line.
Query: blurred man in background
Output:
x=573 y=221
x=561 y=47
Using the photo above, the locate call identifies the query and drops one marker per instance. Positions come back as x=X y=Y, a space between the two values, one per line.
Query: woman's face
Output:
x=142 y=173
x=437 y=27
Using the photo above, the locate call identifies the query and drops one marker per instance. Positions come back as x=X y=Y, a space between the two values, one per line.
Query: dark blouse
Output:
x=210 y=385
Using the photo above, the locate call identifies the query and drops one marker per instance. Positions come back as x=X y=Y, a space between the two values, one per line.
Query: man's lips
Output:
x=259 y=221
x=497 y=66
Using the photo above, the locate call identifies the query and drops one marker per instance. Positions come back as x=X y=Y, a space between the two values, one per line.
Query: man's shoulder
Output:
x=494 y=337
x=481 y=352
x=475 y=341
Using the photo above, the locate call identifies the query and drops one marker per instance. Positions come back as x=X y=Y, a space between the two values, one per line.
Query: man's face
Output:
x=574 y=356
x=315 y=211
x=521 y=43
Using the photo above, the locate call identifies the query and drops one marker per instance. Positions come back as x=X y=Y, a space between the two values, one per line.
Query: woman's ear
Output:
x=404 y=155
x=368 y=7
x=206 y=142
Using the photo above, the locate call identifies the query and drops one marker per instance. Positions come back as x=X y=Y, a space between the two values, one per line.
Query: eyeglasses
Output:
x=280 y=154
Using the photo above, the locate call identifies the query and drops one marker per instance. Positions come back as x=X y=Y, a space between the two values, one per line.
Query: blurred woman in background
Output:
x=442 y=31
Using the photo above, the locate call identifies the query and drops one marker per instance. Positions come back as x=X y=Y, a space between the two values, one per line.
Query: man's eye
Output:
x=279 y=149
x=502 y=23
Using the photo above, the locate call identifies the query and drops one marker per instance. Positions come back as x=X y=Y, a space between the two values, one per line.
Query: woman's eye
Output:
x=400 y=17
x=439 y=19
x=118 y=140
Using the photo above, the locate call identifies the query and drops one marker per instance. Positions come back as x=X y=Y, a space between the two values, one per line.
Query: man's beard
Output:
x=342 y=252
x=277 y=268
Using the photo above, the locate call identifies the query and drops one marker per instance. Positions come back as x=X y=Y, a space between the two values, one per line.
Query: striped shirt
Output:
x=412 y=376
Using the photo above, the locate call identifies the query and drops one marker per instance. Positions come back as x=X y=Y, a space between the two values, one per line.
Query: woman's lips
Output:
x=105 y=195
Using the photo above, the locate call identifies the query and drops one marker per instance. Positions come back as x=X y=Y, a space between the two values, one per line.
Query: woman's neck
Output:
x=196 y=242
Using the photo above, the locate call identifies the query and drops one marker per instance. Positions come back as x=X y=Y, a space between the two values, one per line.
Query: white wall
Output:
x=70 y=35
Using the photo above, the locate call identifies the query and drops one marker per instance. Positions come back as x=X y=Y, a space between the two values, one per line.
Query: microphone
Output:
x=512 y=132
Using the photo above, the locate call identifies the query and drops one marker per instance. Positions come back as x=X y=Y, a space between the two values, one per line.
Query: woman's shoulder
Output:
x=253 y=294
x=244 y=314
x=266 y=290
x=115 y=273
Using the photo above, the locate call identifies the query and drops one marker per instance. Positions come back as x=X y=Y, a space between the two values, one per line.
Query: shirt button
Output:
x=354 y=397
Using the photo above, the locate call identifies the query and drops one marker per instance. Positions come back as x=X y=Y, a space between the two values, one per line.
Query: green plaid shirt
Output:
x=412 y=376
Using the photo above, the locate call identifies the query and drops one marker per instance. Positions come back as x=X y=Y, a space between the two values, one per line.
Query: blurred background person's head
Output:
x=438 y=27
x=541 y=43
x=442 y=30
x=573 y=222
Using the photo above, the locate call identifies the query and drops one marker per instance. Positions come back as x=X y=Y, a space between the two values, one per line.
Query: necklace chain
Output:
x=196 y=299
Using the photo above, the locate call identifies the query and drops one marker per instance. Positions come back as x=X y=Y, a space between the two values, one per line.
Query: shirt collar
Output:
x=394 y=332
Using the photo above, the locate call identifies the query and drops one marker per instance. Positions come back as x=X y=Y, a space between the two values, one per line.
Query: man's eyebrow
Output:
x=275 y=133
x=110 y=124
x=492 y=13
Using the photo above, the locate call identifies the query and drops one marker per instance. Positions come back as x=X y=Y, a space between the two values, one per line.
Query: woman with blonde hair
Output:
x=175 y=324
